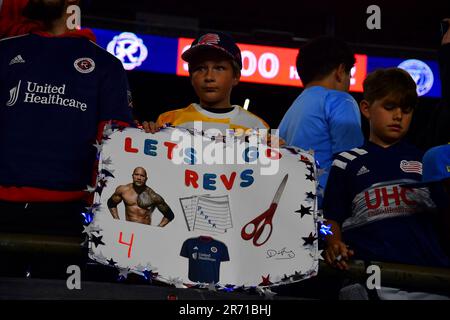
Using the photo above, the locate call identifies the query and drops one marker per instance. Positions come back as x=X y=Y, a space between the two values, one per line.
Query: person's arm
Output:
x=337 y=206
x=336 y=253
x=113 y=201
x=151 y=198
x=164 y=222
x=165 y=210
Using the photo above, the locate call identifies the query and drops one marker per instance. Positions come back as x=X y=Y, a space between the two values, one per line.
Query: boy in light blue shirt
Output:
x=324 y=118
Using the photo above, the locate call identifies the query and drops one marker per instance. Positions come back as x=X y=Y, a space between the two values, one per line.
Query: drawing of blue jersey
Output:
x=205 y=255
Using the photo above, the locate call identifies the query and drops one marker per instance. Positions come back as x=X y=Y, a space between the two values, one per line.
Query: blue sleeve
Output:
x=289 y=125
x=337 y=202
x=184 y=249
x=344 y=121
x=114 y=97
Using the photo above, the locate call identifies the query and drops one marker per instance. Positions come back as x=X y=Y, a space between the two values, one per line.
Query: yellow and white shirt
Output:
x=238 y=118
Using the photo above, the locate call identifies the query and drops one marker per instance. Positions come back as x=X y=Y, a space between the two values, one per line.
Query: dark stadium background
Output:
x=408 y=28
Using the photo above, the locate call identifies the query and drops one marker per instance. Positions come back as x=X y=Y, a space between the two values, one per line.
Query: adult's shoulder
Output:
x=15 y=40
x=104 y=56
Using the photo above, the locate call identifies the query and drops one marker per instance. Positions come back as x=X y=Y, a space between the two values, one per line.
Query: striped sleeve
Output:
x=344 y=158
x=337 y=202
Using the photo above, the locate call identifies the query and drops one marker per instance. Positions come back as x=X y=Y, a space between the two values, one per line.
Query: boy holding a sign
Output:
x=215 y=65
x=380 y=219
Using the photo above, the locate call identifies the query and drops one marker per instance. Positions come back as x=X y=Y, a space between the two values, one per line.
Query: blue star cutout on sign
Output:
x=88 y=217
x=325 y=229
x=149 y=275
x=228 y=288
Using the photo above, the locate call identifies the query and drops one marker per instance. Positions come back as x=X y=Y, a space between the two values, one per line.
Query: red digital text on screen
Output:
x=273 y=65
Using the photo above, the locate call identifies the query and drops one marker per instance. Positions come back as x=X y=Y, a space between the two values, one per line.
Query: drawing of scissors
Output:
x=265 y=219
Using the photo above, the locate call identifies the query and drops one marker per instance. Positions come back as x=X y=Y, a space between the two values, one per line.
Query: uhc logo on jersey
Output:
x=13 y=95
x=389 y=196
x=387 y=201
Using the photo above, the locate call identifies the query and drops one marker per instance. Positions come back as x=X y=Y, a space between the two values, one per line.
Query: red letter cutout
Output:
x=228 y=183
x=130 y=245
x=170 y=146
x=191 y=177
x=128 y=147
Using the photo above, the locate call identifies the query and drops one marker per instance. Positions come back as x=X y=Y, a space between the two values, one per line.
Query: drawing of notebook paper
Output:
x=189 y=206
x=213 y=214
x=188 y=211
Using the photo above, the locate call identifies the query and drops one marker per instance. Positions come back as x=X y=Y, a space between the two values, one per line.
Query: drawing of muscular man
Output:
x=140 y=201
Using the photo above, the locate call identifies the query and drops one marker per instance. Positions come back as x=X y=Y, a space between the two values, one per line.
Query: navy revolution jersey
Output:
x=380 y=219
x=205 y=255
x=54 y=92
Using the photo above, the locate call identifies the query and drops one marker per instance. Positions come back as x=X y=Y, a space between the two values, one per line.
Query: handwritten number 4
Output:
x=129 y=245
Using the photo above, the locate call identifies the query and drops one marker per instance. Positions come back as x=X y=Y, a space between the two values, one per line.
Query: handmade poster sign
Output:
x=187 y=208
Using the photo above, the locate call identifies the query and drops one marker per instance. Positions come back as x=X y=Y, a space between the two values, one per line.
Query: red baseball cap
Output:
x=217 y=41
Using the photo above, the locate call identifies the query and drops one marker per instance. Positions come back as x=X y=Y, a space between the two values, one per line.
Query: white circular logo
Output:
x=421 y=73
x=213 y=249
x=129 y=49
x=84 y=65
